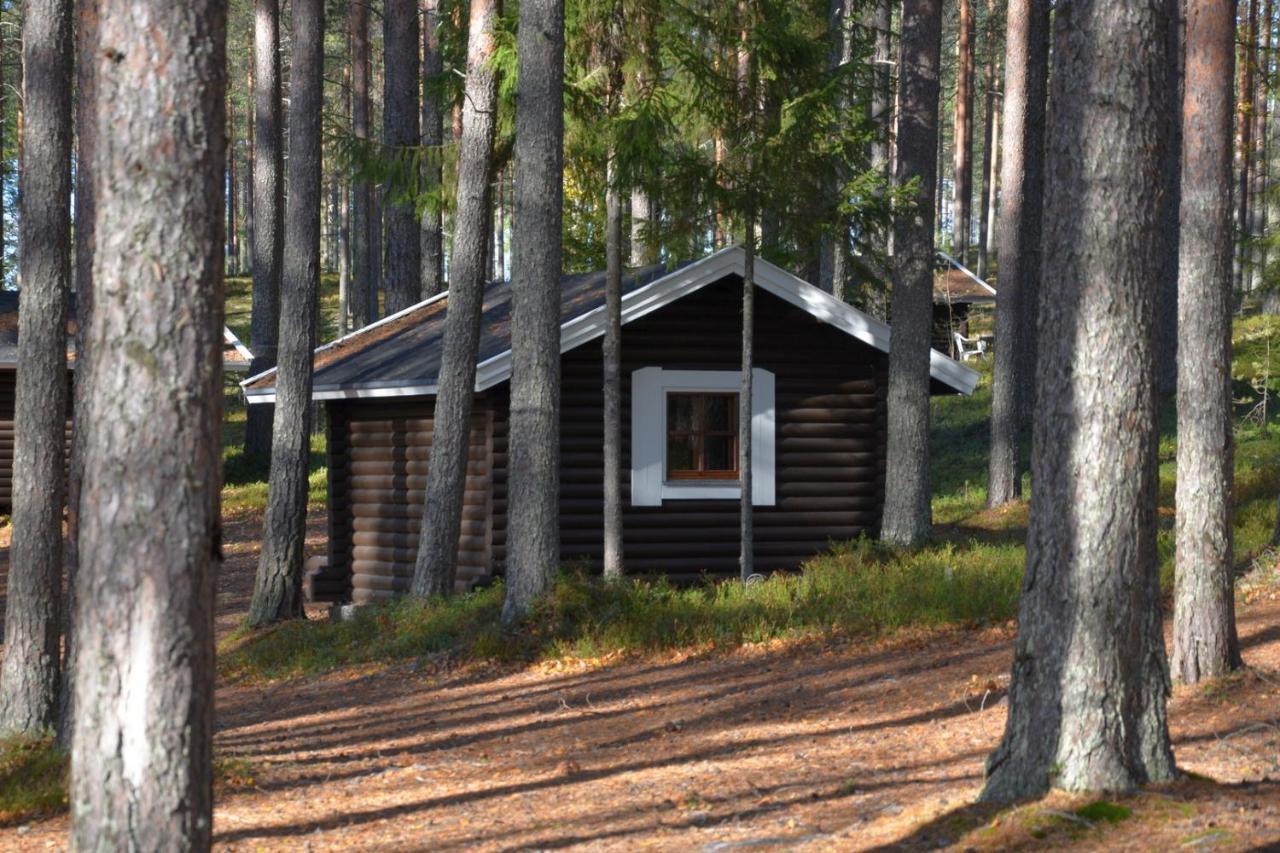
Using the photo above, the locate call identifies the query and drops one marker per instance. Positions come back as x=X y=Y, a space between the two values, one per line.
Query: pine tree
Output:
x=277 y=588
x=432 y=279
x=150 y=533
x=402 y=267
x=29 y=678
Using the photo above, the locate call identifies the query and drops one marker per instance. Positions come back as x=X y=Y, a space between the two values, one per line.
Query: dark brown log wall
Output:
x=7 y=379
x=830 y=410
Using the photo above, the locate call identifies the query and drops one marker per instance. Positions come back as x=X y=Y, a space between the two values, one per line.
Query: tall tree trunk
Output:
x=344 y=257
x=499 y=226
x=612 y=352
x=962 y=147
x=1258 y=179
x=432 y=138
x=989 y=140
x=437 y=560
x=833 y=261
x=150 y=536
x=364 y=298
x=1021 y=207
x=1205 y=644
x=746 y=514
x=642 y=225
x=277 y=589
x=881 y=114
x=268 y=224
x=232 y=185
x=402 y=269
x=907 y=514
x=1244 y=137
x=1171 y=171
x=993 y=197
x=86 y=135
x=29 y=678
x=533 y=528
x=1087 y=697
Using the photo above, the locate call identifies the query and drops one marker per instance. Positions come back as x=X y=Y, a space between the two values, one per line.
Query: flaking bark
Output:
x=141 y=765
x=1205 y=644
x=437 y=561
x=533 y=527
x=277 y=588
x=1019 y=230
x=1087 y=696
x=907 y=514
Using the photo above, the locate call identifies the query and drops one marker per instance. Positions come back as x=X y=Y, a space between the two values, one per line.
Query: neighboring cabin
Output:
x=235 y=359
x=956 y=291
x=818 y=428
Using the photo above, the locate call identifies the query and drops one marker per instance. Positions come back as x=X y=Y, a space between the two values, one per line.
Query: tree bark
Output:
x=1205 y=644
x=1090 y=681
x=402 y=268
x=1171 y=171
x=268 y=210
x=533 y=528
x=876 y=292
x=962 y=141
x=1019 y=227
x=1258 y=179
x=437 y=561
x=642 y=227
x=277 y=589
x=86 y=36
x=1244 y=137
x=989 y=139
x=432 y=139
x=29 y=677
x=150 y=536
x=833 y=260
x=907 y=513
x=612 y=351
x=364 y=299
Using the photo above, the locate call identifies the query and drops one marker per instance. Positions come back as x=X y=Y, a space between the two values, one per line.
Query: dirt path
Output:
x=840 y=747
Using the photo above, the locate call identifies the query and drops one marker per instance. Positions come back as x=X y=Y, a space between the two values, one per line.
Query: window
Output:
x=684 y=436
x=702 y=436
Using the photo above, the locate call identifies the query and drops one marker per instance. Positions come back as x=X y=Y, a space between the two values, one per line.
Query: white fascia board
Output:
x=229 y=337
x=389 y=318
x=269 y=396
x=973 y=275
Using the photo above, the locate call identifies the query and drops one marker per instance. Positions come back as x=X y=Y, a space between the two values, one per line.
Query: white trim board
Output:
x=658 y=294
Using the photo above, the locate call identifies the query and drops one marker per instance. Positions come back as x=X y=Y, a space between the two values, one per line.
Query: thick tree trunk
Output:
x=86 y=35
x=1087 y=697
x=402 y=269
x=962 y=141
x=150 y=536
x=437 y=561
x=533 y=528
x=29 y=678
x=432 y=138
x=277 y=589
x=612 y=350
x=1019 y=227
x=268 y=208
x=907 y=513
x=364 y=291
x=1205 y=644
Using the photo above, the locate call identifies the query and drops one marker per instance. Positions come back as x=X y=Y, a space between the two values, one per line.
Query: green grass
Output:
x=33 y=779
x=970 y=574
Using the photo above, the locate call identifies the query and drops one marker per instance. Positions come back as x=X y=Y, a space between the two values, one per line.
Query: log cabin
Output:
x=236 y=358
x=818 y=428
x=956 y=291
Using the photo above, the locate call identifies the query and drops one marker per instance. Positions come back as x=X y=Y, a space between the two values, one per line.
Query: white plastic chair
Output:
x=967 y=348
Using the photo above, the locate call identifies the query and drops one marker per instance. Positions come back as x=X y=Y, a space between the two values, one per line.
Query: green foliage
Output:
x=1101 y=810
x=33 y=779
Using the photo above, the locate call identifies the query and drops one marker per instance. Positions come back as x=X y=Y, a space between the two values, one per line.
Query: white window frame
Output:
x=649 y=389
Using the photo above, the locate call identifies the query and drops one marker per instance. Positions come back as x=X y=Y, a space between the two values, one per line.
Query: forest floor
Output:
x=809 y=745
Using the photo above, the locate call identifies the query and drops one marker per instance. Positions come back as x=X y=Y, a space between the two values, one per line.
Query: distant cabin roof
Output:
x=236 y=357
x=401 y=354
x=956 y=284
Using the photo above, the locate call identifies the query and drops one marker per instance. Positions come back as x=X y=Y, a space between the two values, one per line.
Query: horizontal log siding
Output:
x=7 y=388
x=378 y=468
x=830 y=407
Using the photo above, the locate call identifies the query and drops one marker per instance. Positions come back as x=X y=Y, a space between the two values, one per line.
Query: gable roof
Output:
x=236 y=357
x=400 y=355
x=959 y=284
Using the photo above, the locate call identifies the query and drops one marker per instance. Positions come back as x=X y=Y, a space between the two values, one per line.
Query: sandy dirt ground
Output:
x=841 y=746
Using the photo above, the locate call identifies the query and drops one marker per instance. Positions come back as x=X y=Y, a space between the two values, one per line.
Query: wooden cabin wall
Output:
x=378 y=468
x=7 y=389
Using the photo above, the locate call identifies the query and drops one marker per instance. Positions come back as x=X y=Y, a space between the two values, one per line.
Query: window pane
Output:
x=720 y=413
x=680 y=409
x=719 y=453
x=680 y=453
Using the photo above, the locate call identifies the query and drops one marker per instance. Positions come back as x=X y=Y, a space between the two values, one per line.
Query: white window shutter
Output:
x=648 y=433
x=763 y=431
